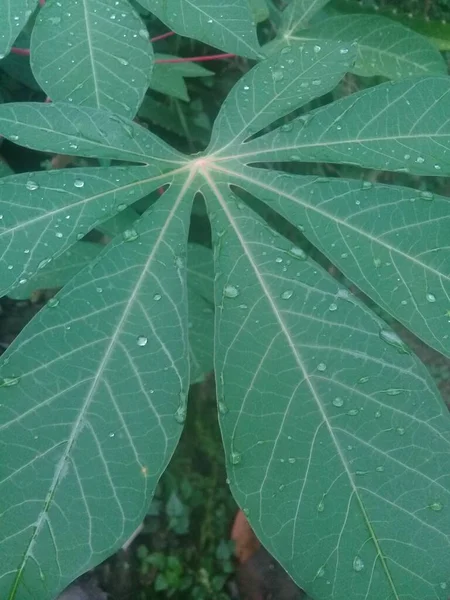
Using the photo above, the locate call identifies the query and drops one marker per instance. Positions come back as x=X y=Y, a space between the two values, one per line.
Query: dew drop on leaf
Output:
x=353 y=412
x=235 y=458
x=391 y=338
x=157 y=297
x=223 y=408
x=180 y=415
x=358 y=564
x=291 y=460
x=321 y=506
x=320 y=573
x=343 y=51
x=436 y=506
x=286 y=127
x=332 y=307
x=298 y=253
x=400 y=430
x=78 y=183
x=277 y=75
x=142 y=340
x=322 y=367
x=393 y=392
x=317 y=48
x=287 y=294
x=338 y=402
x=380 y=469
x=231 y=291
x=377 y=414
x=44 y=263
x=426 y=195
x=31 y=185
x=143 y=33
x=363 y=379
x=367 y=185
x=130 y=235
x=53 y=302
x=430 y=297
x=9 y=381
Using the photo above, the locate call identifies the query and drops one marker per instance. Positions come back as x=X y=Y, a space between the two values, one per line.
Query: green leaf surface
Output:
x=186 y=69
x=101 y=385
x=92 y=54
x=336 y=441
x=298 y=15
x=284 y=82
x=200 y=281
x=14 y=15
x=259 y=9
x=384 y=48
x=59 y=271
x=390 y=241
x=402 y=127
x=43 y=214
x=81 y=131
x=225 y=24
x=169 y=82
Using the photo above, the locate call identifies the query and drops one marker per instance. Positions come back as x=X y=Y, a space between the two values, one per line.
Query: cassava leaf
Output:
x=225 y=24
x=200 y=281
x=259 y=9
x=14 y=16
x=81 y=131
x=170 y=83
x=101 y=378
x=384 y=47
x=298 y=15
x=92 y=54
x=402 y=127
x=327 y=420
x=43 y=214
x=59 y=271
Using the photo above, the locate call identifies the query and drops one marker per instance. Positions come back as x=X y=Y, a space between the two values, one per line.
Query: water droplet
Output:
x=321 y=506
x=332 y=307
x=420 y=160
x=287 y=294
x=338 y=402
x=363 y=379
x=291 y=460
x=317 y=48
x=298 y=253
x=353 y=412
x=246 y=511
x=180 y=414
x=286 y=127
x=44 y=263
x=380 y=469
x=78 y=183
x=223 y=408
x=143 y=33
x=358 y=564
x=142 y=340
x=122 y=61
x=377 y=263
x=320 y=573
x=235 y=458
x=130 y=235
x=367 y=185
x=343 y=51
x=111 y=435
x=378 y=414
x=321 y=367
x=9 y=381
x=391 y=338
x=278 y=259
x=157 y=297
x=230 y=291
x=426 y=195
x=430 y=297
x=400 y=430
x=31 y=185
x=436 y=506
x=393 y=392
x=73 y=146
x=14 y=138
x=53 y=302
x=277 y=75
x=286 y=50
x=443 y=585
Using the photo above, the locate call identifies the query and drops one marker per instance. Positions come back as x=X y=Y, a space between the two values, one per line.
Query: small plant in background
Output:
x=253 y=256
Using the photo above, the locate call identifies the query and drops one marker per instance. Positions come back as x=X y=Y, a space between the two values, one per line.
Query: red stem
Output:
x=21 y=51
x=195 y=58
x=163 y=36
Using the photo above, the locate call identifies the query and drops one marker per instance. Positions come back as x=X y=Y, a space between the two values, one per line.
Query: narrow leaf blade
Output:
x=82 y=131
x=402 y=126
x=345 y=444
x=44 y=214
x=92 y=55
x=90 y=444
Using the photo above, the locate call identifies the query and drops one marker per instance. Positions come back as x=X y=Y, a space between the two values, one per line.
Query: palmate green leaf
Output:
x=225 y=24
x=384 y=48
x=59 y=271
x=403 y=127
x=93 y=394
x=14 y=16
x=337 y=441
x=92 y=54
x=82 y=131
x=43 y=214
x=391 y=241
x=200 y=281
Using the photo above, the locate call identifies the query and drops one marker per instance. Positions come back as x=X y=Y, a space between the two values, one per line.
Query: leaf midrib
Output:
x=222 y=202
